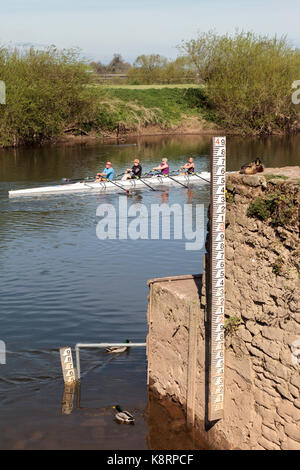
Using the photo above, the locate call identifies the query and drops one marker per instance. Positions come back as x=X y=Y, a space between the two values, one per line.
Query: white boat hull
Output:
x=106 y=186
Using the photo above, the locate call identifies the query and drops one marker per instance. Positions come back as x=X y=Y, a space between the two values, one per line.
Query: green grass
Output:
x=231 y=324
x=277 y=266
x=131 y=107
x=149 y=87
x=272 y=177
x=280 y=208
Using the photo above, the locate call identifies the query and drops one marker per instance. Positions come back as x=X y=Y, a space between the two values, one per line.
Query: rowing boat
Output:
x=107 y=186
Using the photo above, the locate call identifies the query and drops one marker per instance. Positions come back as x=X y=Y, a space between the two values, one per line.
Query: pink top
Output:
x=165 y=171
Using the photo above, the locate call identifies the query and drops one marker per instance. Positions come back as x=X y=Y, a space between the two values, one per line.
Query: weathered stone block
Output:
x=276 y=368
x=270 y=434
x=268 y=445
x=272 y=333
x=294 y=391
x=295 y=380
x=284 y=392
x=288 y=411
x=271 y=349
x=244 y=334
x=253 y=327
x=293 y=431
x=290 y=444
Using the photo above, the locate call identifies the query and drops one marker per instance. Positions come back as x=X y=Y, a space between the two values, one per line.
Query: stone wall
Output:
x=262 y=328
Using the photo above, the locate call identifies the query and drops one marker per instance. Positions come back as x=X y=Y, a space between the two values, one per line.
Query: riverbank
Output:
x=116 y=114
x=189 y=127
x=133 y=111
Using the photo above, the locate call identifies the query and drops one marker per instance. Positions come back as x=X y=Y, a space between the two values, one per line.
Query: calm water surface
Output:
x=60 y=284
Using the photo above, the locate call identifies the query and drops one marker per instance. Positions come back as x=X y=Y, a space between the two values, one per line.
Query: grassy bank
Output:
x=126 y=108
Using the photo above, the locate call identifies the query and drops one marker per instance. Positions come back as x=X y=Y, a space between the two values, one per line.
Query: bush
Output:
x=45 y=93
x=248 y=79
x=280 y=207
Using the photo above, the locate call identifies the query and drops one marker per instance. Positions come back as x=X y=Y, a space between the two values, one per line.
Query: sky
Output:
x=133 y=27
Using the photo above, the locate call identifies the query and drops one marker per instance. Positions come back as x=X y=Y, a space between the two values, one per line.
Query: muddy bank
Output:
x=190 y=126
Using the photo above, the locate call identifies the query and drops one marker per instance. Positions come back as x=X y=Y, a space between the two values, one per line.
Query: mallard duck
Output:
x=123 y=416
x=252 y=168
x=259 y=166
x=117 y=349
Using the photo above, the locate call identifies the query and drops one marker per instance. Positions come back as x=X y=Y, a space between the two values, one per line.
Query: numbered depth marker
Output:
x=67 y=365
x=217 y=277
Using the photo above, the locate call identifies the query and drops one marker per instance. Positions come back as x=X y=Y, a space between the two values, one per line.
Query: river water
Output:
x=60 y=284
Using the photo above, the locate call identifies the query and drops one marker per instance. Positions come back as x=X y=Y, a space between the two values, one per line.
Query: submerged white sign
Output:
x=152 y=223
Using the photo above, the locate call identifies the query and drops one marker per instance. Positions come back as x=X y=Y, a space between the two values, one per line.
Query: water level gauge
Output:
x=217 y=277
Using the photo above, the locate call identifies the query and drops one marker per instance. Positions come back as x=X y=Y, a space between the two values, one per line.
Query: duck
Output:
x=252 y=168
x=259 y=166
x=123 y=416
x=117 y=349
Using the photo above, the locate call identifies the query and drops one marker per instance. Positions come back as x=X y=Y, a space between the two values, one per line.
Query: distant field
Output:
x=149 y=87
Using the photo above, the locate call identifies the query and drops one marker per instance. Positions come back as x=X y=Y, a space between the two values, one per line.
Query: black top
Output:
x=191 y=170
x=137 y=171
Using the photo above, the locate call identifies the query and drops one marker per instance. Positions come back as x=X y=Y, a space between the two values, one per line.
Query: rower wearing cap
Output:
x=107 y=174
x=189 y=167
x=163 y=168
x=134 y=172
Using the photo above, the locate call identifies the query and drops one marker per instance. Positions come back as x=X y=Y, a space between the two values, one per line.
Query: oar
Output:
x=168 y=176
x=75 y=180
x=118 y=185
x=179 y=182
x=143 y=181
x=195 y=174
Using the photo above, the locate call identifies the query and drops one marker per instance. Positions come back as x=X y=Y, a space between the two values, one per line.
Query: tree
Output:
x=147 y=68
x=98 y=67
x=248 y=79
x=118 y=65
x=200 y=52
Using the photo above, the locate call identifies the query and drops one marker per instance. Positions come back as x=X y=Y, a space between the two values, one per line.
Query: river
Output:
x=60 y=284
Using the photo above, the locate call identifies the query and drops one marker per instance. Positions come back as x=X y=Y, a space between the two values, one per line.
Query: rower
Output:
x=189 y=167
x=163 y=168
x=134 y=172
x=108 y=173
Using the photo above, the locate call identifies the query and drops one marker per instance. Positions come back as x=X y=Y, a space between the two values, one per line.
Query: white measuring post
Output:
x=67 y=365
x=217 y=278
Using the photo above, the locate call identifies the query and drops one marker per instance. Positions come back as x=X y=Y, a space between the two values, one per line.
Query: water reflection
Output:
x=167 y=429
x=68 y=399
x=165 y=421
